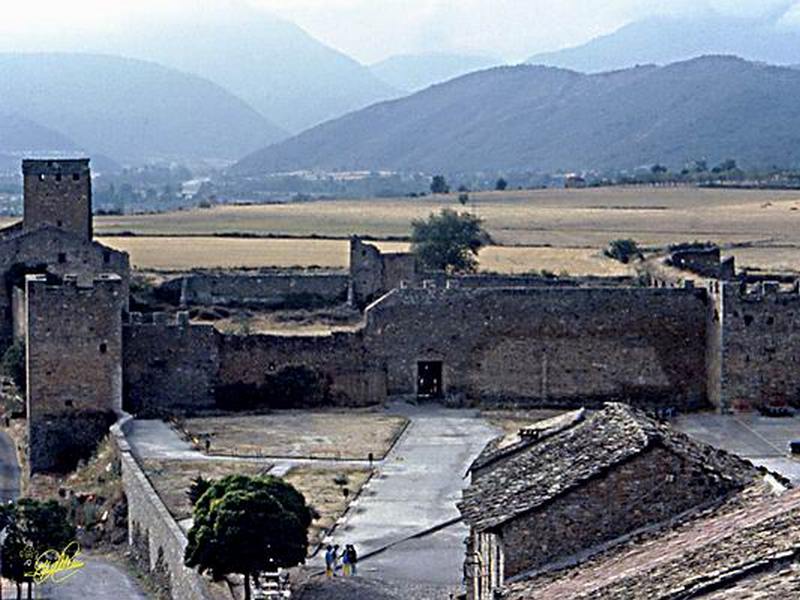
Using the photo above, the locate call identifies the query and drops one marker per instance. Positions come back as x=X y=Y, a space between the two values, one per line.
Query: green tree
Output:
x=623 y=250
x=248 y=525
x=13 y=364
x=449 y=241
x=439 y=185
x=501 y=185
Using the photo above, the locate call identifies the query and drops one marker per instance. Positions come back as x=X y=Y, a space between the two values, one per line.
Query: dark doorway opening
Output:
x=429 y=379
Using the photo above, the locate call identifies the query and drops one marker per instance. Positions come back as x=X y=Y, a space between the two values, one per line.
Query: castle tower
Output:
x=74 y=366
x=58 y=193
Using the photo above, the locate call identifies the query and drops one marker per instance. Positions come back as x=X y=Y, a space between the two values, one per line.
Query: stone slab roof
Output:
x=746 y=550
x=502 y=447
x=576 y=454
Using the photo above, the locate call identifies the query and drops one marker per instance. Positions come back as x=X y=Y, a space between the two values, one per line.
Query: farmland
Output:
x=556 y=230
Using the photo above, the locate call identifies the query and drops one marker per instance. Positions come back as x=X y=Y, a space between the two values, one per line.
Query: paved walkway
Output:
x=762 y=440
x=416 y=488
x=99 y=578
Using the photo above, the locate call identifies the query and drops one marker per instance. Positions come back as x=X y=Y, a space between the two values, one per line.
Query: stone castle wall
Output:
x=263 y=290
x=546 y=346
x=74 y=366
x=760 y=345
x=169 y=365
x=153 y=533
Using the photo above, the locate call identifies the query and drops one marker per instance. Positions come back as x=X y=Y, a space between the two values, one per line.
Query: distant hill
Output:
x=127 y=109
x=291 y=78
x=413 y=72
x=547 y=119
x=663 y=40
x=19 y=135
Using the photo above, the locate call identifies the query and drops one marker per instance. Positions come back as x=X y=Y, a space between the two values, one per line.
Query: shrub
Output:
x=623 y=250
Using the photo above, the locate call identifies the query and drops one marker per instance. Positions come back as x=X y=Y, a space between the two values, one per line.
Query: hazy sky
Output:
x=370 y=30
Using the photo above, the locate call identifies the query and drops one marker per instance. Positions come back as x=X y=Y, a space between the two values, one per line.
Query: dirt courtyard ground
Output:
x=340 y=435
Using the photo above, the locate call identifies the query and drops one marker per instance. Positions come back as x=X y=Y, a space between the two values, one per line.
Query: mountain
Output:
x=663 y=40
x=413 y=72
x=130 y=110
x=273 y=65
x=546 y=119
x=19 y=135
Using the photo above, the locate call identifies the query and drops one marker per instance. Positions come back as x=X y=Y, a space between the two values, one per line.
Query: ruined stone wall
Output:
x=58 y=193
x=74 y=366
x=546 y=346
x=398 y=268
x=355 y=377
x=366 y=272
x=169 y=365
x=651 y=488
x=57 y=252
x=267 y=290
x=153 y=532
x=760 y=344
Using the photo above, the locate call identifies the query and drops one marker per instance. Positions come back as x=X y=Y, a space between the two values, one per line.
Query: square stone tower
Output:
x=58 y=193
x=74 y=366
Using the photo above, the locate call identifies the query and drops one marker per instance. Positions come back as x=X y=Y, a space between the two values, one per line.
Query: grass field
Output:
x=576 y=223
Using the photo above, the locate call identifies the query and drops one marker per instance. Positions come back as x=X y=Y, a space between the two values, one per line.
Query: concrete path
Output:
x=762 y=440
x=416 y=488
x=9 y=469
x=99 y=578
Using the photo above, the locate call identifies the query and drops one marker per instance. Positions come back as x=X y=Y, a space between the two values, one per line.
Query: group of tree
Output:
x=247 y=525
x=32 y=530
x=439 y=185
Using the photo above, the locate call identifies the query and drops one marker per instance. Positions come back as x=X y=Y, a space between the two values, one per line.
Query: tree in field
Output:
x=449 y=241
x=501 y=185
x=623 y=250
x=439 y=185
x=248 y=525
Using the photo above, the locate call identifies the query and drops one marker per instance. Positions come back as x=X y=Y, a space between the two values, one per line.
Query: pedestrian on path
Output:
x=336 y=557
x=352 y=557
x=330 y=562
x=346 y=561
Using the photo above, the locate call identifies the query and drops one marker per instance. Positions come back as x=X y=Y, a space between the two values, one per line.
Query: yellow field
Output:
x=178 y=254
x=581 y=222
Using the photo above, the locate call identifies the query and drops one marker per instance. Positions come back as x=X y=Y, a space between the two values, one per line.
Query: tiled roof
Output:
x=502 y=447
x=565 y=460
x=745 y=551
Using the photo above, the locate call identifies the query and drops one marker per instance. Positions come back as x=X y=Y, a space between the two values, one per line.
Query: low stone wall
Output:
x=297 y=289
x=152 y=530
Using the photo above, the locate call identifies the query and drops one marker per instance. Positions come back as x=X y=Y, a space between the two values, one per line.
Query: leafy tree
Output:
x=725 y=166
x=439 y=185
x=13 y=364
x=197 y=488
x=463 y=199
x=449 y=241
x=623 y=250
x=33 y=528
x=248 y=525
x=658 y=169
x=501 y=185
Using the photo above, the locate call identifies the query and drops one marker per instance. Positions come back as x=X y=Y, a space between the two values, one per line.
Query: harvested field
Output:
x=560 y=230
x=181 y=254
x=301 y=434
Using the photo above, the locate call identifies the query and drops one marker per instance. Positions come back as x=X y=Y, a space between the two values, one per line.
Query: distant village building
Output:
x=580 y=482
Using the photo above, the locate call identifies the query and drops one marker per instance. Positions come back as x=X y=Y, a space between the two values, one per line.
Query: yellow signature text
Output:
x=56 y=566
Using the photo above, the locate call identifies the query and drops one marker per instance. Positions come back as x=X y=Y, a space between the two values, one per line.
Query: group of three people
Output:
x=348 y=558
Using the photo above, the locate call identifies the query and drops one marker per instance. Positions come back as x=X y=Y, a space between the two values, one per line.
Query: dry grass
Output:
x=563 y=230
x=180 y=254
x=301 y=434
x=172 y=478
x=323 y=490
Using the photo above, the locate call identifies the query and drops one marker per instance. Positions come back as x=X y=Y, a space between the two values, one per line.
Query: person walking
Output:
x=352 y=558
x=330 y=561
x=346 y=561
x=336 y=557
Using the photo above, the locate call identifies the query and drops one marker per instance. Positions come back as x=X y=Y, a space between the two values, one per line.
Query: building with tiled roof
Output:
x=588 y=482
